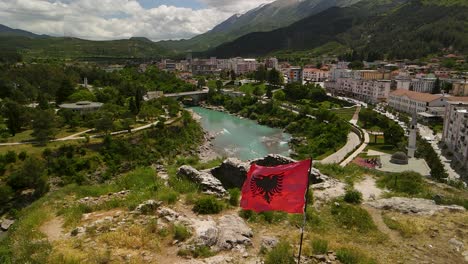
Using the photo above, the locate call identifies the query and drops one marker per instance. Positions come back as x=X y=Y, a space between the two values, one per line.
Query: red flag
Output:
x=280 y=188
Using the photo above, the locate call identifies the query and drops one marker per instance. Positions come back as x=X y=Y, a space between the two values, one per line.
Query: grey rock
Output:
x=456 y=244
x=148 y=207
x=207 y=181
x=6 y=224
x=206 y=232
x=233 y=231
x=273 y=160
x=269 y=242
x=413 y=206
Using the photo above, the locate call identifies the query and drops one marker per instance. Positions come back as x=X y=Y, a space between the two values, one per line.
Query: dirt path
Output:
x=378 y=220
x=368 y=188
x=53 y=229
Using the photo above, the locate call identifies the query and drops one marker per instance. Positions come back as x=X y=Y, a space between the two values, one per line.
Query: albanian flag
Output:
x=280 y=188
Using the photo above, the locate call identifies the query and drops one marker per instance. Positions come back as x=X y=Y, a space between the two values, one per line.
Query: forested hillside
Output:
x=398 y=28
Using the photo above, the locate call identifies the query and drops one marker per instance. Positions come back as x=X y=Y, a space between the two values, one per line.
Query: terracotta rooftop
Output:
x=463 y=99
x=421 y=97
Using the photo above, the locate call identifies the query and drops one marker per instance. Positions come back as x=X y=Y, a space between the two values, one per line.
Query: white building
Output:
x=422 y=85
x=243 y=66
x=456 y=130
x=315 y=75
x=371 y=91
x=409 y=101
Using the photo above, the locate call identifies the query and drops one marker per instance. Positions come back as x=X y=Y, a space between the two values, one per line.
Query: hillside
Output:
x=11 y=32
x=422 y=27
x=74 y=48
x=264 y=18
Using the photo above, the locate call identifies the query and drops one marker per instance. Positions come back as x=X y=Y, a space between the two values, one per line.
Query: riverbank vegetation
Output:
x=316 y=130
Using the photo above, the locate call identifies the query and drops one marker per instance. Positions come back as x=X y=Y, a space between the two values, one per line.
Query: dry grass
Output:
x=134 y=237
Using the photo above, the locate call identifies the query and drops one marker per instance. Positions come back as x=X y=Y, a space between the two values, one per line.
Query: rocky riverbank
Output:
x=205 y=151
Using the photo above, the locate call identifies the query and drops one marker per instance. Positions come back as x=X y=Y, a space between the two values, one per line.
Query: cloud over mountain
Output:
x=114 y=19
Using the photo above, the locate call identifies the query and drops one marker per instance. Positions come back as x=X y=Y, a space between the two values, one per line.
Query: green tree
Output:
x=437 y=87
x=44 y=125
x=274 y=77
x=261 y=74
x=105 y=123
x=269 y=91
x=201 y=83
x=393 y=134
x=14 y=113
x=31 y=174
x=82 y=95
x=64 y=91
x=356 y=65
x=279 y=95
x=219 y=85
x=233 y=75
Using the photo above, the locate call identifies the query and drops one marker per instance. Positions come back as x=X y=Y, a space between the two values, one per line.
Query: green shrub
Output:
x=353 y=256
x=319 y=246
x=234 y=195
x=208 y=205
x=273 y=217
x=183 y=185
x=353 y=197
x=280 y=254
x=181 y=232
x=168 y=196
x=410 y=183
x=139 y=178
x=202 y=252
x=351 y=216
x=247 y=214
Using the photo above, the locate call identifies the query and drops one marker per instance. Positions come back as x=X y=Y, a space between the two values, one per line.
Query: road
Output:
x=428 y=134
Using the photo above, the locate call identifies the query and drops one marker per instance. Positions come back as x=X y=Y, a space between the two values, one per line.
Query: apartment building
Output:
x=295 y=74
x=371 y=91
x=455 y=134
x=460 y=89
x=421 y=85
x=315 y=75
x=243 y=66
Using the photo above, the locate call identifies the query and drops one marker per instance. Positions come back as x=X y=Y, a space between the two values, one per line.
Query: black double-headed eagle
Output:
x=267 y=186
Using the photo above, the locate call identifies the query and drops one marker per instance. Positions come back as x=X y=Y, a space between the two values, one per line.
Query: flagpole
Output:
x=305 y=212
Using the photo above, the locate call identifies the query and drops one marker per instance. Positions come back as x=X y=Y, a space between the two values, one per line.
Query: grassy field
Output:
x=250 y=87
x=345 y=113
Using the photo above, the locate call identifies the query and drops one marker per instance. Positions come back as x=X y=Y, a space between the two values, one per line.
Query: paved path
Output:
x=353 y=142
x=78 y=136
x=337 y=157
x=427 y=133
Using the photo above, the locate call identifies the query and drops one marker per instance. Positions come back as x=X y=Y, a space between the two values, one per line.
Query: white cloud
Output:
x=236 y=6
x=114 y=19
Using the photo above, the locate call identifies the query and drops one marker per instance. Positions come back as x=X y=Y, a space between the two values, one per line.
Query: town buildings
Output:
x=369 y=86
x=426 y=105
x=422 y=84
x=295 y=75
x=315 y=75
x=460 y=89
x=455 y=134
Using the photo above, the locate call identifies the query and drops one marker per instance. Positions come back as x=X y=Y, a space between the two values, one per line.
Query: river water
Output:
x=242 y=138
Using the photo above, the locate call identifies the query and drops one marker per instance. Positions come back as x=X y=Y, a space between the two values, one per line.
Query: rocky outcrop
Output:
x=413 y=206
x=6 y=224
x=232 y=173
x=269 y=242
x=273 y=160
x=104 y=198
x=147 y=207
x=233 y=231
x=207 y=181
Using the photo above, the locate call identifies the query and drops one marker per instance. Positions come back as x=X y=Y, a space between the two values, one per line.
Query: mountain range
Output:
x=399 y=28
x=264 y=18
x=396 y=28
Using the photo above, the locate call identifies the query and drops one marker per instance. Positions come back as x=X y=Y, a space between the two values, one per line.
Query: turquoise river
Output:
x=242 y=138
